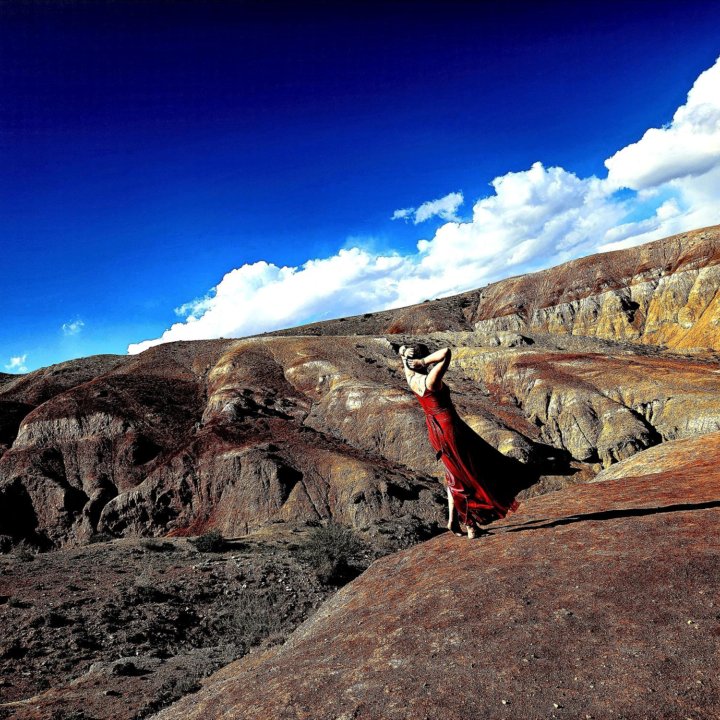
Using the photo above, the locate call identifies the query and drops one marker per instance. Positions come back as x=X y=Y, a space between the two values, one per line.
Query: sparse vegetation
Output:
x=210 y=542
x=156 y=546
x=334 y=553
x=170 y=691
x=134 y=601
x=24 y=551
x=100 y=537
x=70 y=715
x=128 y=668
x=256 y=617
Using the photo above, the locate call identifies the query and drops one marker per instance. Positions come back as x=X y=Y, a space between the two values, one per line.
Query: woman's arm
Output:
x=434 y=376
x=437 y=356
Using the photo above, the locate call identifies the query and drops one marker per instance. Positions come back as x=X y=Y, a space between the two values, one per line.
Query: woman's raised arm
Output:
x=435 y=376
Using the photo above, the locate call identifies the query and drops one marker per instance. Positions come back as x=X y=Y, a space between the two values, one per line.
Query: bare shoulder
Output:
x=416 y=385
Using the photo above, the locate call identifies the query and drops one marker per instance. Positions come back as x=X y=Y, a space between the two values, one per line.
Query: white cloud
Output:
x=73 y=328
x=688 y=146
x=533 y=213
x=403 y=214
x=17 y=364
x=533 y=219
x=444 y=207
x=263 y=296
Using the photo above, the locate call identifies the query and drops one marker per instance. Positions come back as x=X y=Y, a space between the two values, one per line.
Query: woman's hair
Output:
x=420 y=350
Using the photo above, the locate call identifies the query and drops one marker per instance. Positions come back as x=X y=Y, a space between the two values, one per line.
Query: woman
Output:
x=453 y=441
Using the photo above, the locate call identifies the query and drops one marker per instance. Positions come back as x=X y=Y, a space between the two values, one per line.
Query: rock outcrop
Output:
x=286 y=427
x=601 y=407
x=663 y=293
x=193 y=436
x=596 y=601
x=694 y=454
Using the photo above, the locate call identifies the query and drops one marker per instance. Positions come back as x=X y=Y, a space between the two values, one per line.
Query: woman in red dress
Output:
x=473 y=500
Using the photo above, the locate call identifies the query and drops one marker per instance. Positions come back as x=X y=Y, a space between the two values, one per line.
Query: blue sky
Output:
x=224 y=159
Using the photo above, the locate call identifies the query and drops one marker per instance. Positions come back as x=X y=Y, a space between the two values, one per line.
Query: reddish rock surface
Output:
x=596 y=601
x=236 y=434
x=662 y=293
x=696 y=453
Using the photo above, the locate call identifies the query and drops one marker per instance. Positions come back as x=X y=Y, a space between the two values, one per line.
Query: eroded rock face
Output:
x=236 y=434
x=88 y=440
x=229 y=435
x=597 y=600
x=602 y=407
x=663 y=293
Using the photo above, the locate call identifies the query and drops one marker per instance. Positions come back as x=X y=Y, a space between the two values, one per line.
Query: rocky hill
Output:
x=234 y=434
x=596 y=386
x=663 y=293
x=596 y=601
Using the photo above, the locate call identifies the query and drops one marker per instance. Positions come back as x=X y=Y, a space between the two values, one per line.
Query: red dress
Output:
x=467 y=459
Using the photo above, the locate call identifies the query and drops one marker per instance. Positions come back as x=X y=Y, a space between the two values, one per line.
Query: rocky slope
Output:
x=601 y=407
x=596 y=601
x=116 y=630
x=235 y=434
x=191 y=436
x=598 y=379
x=282 y=429
x=662 y=293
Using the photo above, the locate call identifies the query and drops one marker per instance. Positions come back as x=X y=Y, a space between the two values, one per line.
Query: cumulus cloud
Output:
x=73 y=327
x=262 y=296
x=688 y=146
x=444 y=208
x=17 y=364
x=665 y=183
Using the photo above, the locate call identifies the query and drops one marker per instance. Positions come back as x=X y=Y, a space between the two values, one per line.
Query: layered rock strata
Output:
x=663 y=293
x=236 y=434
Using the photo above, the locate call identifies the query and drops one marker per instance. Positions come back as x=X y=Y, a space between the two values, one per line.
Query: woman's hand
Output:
x=416 y=364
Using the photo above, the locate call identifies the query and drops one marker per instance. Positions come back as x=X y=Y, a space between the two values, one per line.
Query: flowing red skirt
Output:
x=472 y=466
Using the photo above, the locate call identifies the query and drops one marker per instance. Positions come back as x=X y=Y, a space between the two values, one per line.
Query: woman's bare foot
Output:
x=454 y=527
x=471 y=532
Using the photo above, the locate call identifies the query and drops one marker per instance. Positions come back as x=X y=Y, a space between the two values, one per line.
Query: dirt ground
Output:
x=118 y=629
